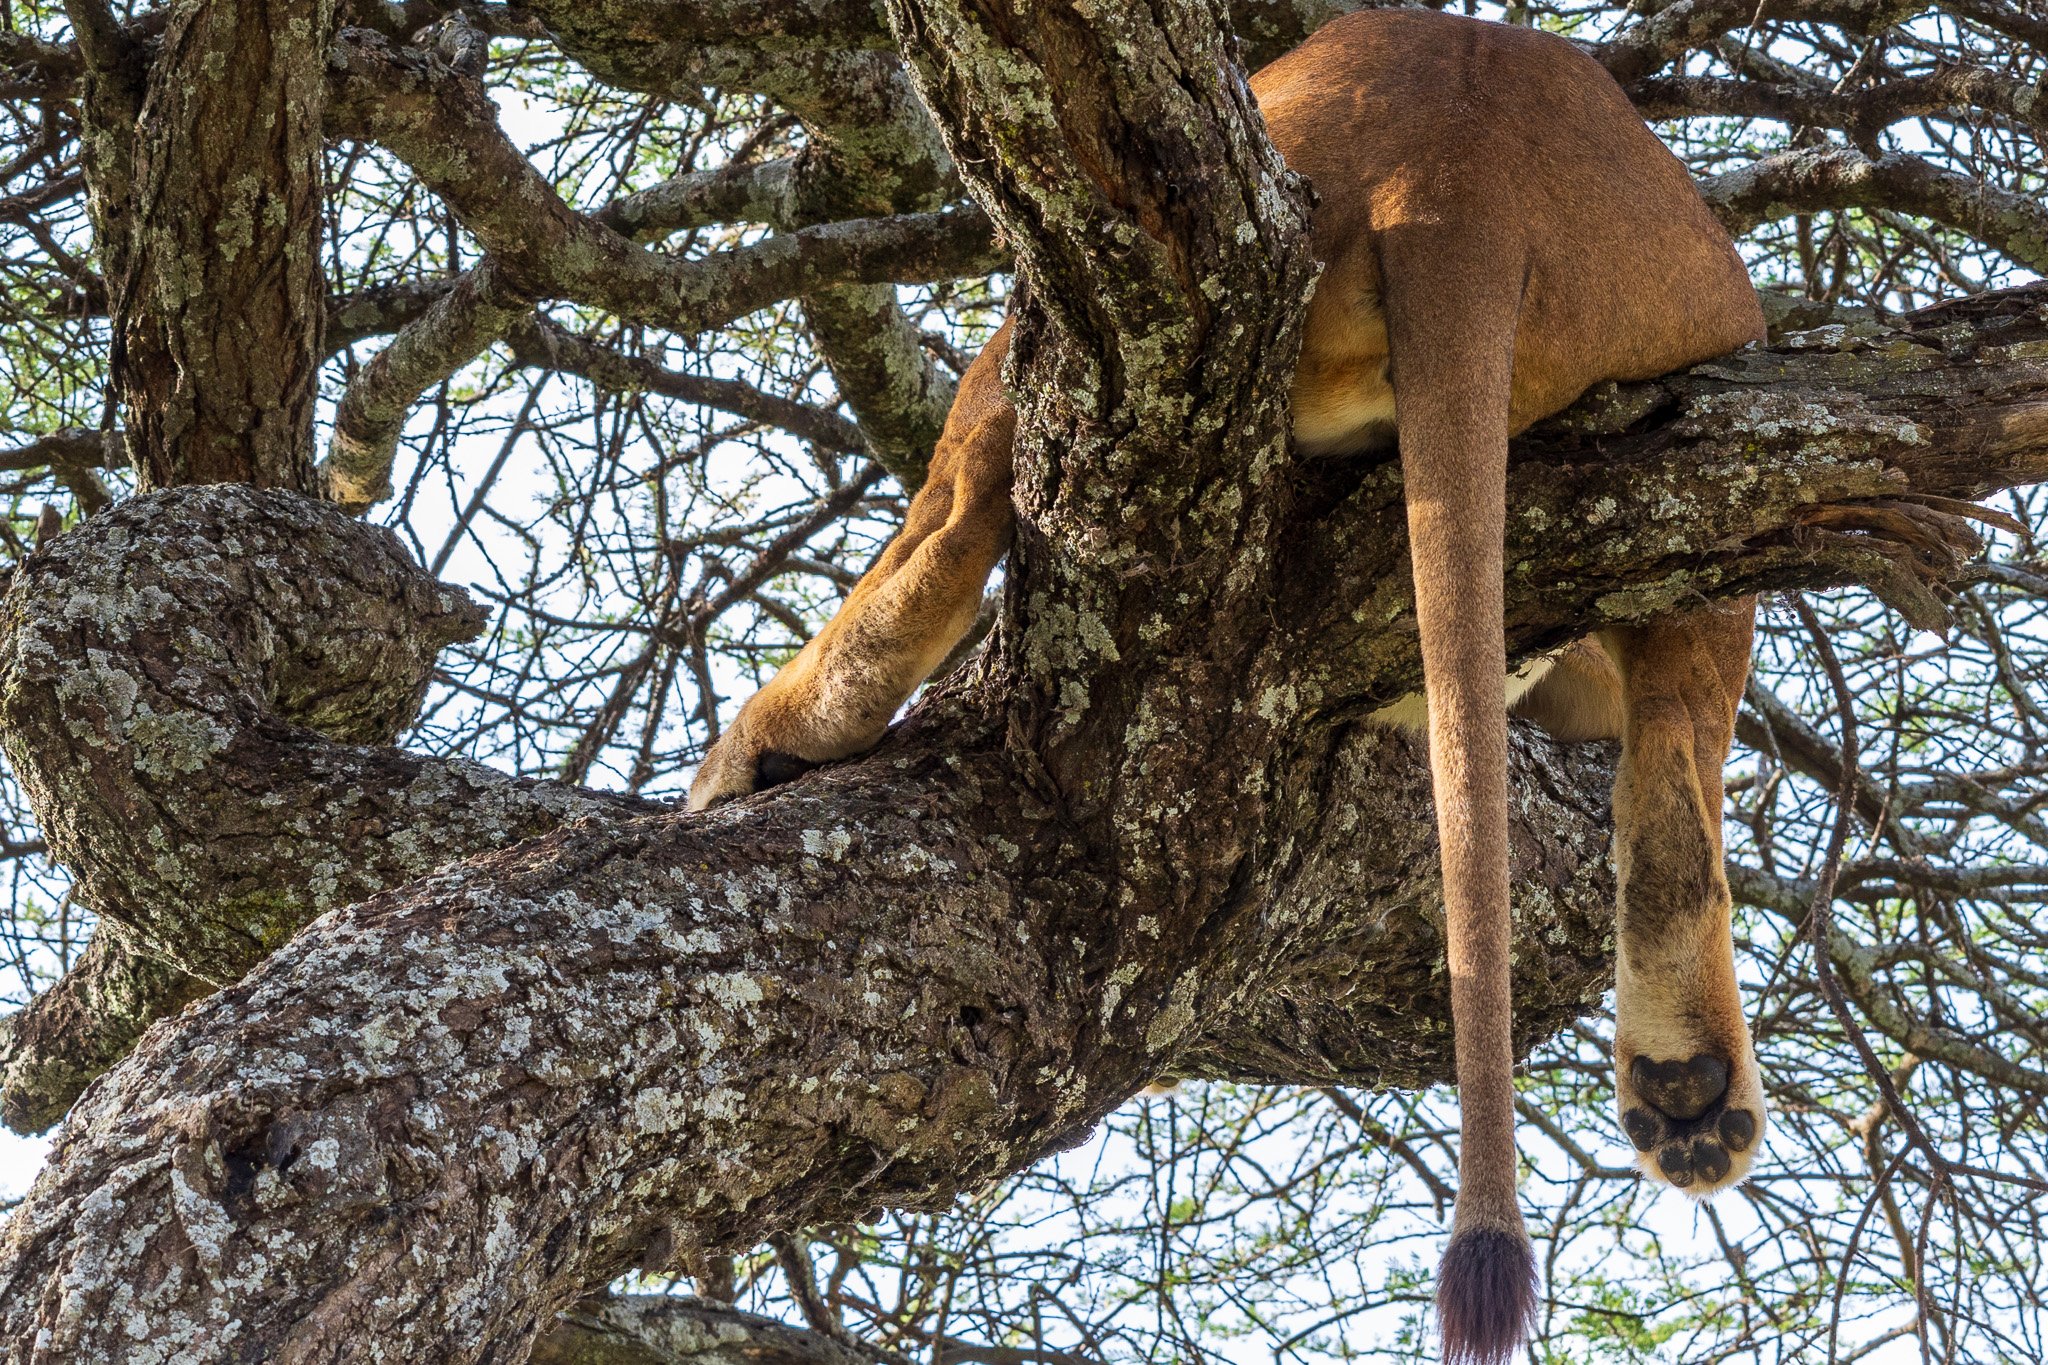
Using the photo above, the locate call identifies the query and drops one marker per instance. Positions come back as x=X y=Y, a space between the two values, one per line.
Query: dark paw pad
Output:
x=1703 y=1159
x=1685 y=1122
x=1681 y=1089
x=773 y=768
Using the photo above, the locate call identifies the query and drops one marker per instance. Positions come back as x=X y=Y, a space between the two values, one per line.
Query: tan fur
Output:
x=1499 y=231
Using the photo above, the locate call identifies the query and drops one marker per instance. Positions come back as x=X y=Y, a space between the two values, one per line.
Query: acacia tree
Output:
x=459 y=1048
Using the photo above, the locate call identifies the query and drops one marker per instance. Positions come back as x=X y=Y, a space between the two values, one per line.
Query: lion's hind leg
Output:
x=1690 y=1097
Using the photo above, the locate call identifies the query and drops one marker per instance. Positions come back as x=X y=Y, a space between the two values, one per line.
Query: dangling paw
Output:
x=1695 y=1120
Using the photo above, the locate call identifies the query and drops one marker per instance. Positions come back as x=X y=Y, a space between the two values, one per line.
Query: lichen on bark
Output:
x=201 y=705
x=219 y=297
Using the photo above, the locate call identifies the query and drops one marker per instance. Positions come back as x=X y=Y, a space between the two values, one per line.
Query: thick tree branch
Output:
x=110 y=102
x=379 y=310
x=878 y=360
x=1671 y=30
x=68 y=448
x=1862 y=112
x=401 y=19
x=887 y=157
x=734 y=193
x=72 y=1032
x=53 y=66
x=646 y=1329
x=2000 y=17
x=765 y=25
x=1840 y=177
x=614 y=36
x=246 y=736
x=495 y=1019
x=454 y=329
x=543 y=345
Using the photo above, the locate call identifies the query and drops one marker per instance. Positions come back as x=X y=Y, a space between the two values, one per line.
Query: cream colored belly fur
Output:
x=1412 y=711
x=1343 y=403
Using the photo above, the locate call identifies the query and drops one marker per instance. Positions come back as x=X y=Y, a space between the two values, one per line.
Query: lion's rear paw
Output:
x=1690 y=1127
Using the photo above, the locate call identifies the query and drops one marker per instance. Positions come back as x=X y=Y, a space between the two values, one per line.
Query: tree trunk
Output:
x=204 y=167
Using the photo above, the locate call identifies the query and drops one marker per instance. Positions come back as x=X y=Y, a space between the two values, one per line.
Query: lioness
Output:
x=1498 y=232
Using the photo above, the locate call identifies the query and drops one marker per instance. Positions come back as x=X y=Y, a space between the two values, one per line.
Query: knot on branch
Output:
x=1911 y=547
x=196 y=689
x=162 y=626
x=158 y=664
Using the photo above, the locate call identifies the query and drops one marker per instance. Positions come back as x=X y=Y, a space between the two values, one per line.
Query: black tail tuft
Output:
x=1485 y=1296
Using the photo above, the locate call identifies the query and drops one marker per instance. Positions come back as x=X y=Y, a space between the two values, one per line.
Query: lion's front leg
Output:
x=835 y=698
x=1690 y=1096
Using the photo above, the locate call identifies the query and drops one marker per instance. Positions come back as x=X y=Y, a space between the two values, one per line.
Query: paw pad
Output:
x=1681 y=1090
x=773 y=768
x=1685 y=1123
x=1700 y=1159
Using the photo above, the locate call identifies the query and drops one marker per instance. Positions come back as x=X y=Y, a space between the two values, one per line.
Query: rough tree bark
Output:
x=209 y=151
x=647 y=1329
x=1145 y=832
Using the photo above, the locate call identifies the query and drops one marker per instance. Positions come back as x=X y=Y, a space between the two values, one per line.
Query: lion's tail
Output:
x=1452 y=356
